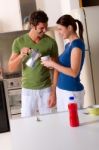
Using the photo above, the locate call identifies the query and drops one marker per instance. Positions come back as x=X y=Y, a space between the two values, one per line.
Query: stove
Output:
x=8 y=75
x=12 y=82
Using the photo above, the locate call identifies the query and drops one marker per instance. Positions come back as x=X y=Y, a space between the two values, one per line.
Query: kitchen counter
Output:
x=5 y=141
x=54 y=133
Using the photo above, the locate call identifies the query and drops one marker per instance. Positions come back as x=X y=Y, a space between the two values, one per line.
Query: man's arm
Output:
x=52 y=99
x=15 y=60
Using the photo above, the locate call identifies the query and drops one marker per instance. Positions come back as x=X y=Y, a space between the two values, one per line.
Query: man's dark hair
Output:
x=37 y=17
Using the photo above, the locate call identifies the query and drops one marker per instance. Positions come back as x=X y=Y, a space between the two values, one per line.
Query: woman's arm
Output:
x=52 y=98
x=73 y=71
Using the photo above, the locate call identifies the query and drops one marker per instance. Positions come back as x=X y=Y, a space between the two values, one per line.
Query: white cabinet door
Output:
x=10 y=16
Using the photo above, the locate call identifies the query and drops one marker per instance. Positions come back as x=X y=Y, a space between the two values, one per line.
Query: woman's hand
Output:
x=48 y=63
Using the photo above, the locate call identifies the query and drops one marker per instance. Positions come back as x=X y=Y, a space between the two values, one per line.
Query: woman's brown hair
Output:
x=67 y=20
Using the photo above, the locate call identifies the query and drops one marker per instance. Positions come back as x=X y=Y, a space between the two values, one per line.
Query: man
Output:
x=37 y=92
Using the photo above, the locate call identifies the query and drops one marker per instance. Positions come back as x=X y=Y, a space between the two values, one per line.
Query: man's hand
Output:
x=52 y=100
x=24 y=52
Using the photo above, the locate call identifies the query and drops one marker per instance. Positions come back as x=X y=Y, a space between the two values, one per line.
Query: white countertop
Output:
x=5 y=141
x=54 y=133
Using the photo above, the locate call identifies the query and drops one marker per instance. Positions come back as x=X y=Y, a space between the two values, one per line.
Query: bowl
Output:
x=93 y=110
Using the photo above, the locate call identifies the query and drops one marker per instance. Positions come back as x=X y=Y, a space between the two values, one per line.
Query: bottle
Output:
x=73 y=112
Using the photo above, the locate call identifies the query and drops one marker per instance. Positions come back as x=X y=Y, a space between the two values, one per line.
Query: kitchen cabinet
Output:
x=13 y=13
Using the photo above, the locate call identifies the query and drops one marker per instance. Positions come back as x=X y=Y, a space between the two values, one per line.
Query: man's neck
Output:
x=34 y=37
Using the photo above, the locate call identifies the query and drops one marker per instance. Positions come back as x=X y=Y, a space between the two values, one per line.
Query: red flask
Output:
x=73 y=112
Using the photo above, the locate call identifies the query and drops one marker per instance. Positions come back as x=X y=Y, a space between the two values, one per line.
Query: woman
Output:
x=70 y=63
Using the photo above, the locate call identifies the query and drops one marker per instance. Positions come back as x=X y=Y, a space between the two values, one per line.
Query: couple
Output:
x=39 y=91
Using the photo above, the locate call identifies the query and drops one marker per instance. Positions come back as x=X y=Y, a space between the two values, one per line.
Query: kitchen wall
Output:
x=13 y=12
x=56 y=8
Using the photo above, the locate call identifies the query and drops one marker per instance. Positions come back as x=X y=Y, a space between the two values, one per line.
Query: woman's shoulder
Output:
x=78 y=43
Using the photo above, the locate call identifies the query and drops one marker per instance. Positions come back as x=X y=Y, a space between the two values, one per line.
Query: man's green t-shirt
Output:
x=37 y=77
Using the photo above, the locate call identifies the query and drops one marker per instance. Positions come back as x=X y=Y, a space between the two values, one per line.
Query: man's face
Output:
x=40 y=29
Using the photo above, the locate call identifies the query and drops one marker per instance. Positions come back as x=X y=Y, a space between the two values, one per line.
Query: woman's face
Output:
x=63 y=31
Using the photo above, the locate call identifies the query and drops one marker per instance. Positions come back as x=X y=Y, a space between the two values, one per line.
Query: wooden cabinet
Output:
x=86 y=3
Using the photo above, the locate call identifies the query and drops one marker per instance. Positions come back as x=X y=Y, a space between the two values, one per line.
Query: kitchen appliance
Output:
x=27 y=7
x=12 y=83
x=4 y=121
x=90 y=72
